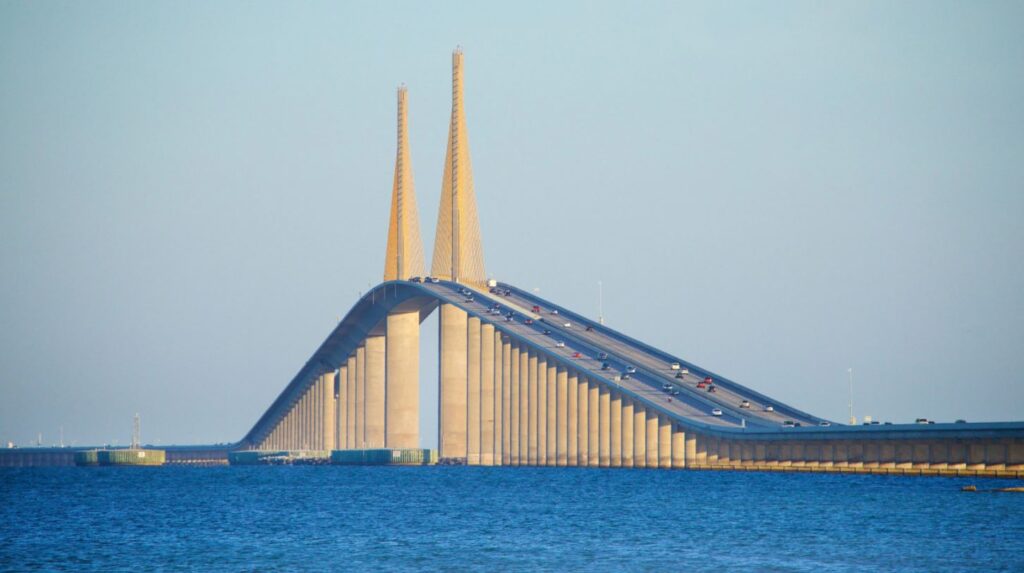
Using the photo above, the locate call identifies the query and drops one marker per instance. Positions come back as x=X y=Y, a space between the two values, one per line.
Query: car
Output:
x=509 y=318
x=716 y=412
x=666 y=386
x=434 y=280
x=631 y=369
x=675 y=391
x=769 y=408
x=712 y=389
x=416 y=280
x=625 y=376
x=535 y=308
x=602 y=356
x=876 y=423
x=708 y=380
x=674 y=366
x=577 y=355
x=679 y=374
x=824 y=424
x=528 y=321
x=605 y=366
x=508 y=292
x=567 y=325
x=787 y=423
x=701 y=385
x=554 y=311
x=469 y=299
x=590 y=328
x=921 y=421
x=745 y=404
x=547 y=332
x=560 y=344
x=960 y=421
x=798 y=424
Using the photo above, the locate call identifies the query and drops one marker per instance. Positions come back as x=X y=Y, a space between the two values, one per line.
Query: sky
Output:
x=193 y=194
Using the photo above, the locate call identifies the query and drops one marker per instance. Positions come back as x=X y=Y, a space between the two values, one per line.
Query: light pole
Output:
x=853 y=421
x=600 y=303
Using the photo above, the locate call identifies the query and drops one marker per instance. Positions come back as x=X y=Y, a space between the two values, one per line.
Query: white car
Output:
x=716 y=412
x=560 y=344
x=674 y=366
x=769 y=408
x=824 y=424
x=567 y=325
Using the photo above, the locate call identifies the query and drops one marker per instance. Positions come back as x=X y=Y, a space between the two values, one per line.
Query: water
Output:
x=387 y=518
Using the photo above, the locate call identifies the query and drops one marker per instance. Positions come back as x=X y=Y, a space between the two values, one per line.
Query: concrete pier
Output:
x=453 y=383
x=402 y=412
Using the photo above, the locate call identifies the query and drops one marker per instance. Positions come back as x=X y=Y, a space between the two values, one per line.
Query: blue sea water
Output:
x=499 y=519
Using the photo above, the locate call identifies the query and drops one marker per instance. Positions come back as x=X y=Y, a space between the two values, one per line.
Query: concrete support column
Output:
x=473 y=379
x=995 y=455
x=572 y=419
x=524 y=406
x=402 y=410
x=664 y=442
x=690 y=452
x=627 y=433
x=499 y=398
x=604 y=426
x=957 y=459
x=314 y=413
x=678 y=447
x=583 y=422
x=452 y=376
x=561 y=417
x=488 y=344
x=700 y=450
x=1015 y=455
x=330 y=409
x=360 y=397
x=551 y=447
x=316 y=402
x=542 y=411
x=615 y=422
x=506 y=402
x=342 y=415
x=514 y=406
x=531 y=400
x=652 y=439
x=639 y=436
x=594 y=425
x=376 y=367
x=350 y=403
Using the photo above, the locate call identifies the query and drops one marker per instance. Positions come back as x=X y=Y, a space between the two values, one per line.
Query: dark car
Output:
x=605 y=366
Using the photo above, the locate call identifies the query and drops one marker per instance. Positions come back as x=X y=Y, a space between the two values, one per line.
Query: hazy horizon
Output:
x=191 y=196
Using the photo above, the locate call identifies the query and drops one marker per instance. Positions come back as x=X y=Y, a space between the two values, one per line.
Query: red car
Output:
x=536 y=308
x=708 y=380
x=528 y=321
x=577 y=355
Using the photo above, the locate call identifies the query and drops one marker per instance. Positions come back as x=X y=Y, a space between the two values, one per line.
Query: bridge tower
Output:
x=458 y=256
x=404 y=256
x=458 y=252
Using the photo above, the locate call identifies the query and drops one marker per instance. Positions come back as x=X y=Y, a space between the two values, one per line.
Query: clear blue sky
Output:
x=192 y=194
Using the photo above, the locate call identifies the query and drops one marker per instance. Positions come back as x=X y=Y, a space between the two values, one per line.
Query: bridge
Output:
x=527 y=382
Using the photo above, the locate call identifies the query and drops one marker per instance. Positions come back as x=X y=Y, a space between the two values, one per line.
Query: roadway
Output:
x=645 y=383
